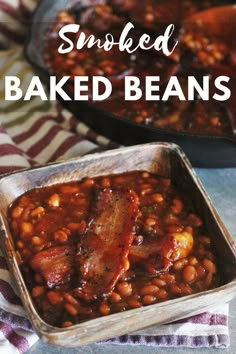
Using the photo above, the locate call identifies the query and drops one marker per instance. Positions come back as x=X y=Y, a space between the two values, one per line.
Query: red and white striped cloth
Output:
x=34 y=133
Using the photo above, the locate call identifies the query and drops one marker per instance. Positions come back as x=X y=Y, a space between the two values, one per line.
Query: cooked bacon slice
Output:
x=172 y=246
x=54 y=264
x=161 y=246
x=104 y=249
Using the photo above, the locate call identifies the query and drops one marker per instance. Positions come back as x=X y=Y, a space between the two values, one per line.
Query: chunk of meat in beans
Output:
x=57 y=219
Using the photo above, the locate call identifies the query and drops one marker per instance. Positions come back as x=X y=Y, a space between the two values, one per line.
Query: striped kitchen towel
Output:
x=34 y=133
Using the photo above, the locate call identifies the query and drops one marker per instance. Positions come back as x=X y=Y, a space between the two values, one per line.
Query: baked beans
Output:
x=110 y=17
x=171 y=254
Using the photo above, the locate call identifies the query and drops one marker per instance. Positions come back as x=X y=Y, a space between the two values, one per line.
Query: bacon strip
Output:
x=172 y=246
x=161 y=246
x=54 y=264
x=104 y=249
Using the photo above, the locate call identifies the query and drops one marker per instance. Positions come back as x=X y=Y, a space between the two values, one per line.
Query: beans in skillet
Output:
x=108 y=244
x=195 y=55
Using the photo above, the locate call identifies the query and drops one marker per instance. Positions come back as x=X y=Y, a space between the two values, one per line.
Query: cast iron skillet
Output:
x=202 y=150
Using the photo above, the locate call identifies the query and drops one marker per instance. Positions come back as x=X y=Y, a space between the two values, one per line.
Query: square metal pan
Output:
x=160 y=158
x=202 y=150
